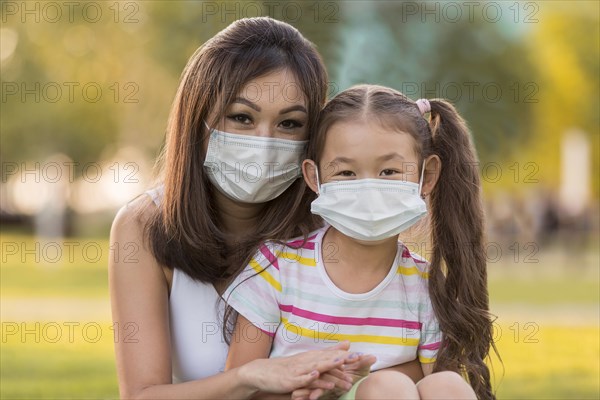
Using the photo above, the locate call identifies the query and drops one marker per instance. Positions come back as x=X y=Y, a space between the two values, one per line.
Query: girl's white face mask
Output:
x=252 y=169
x=370 y=209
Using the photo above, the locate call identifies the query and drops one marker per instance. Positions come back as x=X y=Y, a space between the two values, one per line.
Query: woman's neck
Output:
x=355 y=267
x=238 y=218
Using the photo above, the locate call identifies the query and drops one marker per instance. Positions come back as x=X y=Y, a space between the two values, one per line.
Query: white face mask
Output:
x=252 y=169
x=370 y=209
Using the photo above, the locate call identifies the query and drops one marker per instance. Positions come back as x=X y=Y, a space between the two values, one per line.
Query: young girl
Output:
x=373 y=163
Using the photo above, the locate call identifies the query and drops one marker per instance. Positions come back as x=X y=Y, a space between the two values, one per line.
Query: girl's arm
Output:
x=250 y=344
x=427 y=368
x=247 y=343
x=139 y=298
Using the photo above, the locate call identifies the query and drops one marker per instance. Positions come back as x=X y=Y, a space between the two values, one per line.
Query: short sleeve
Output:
x=431 y=336
x=256 y=292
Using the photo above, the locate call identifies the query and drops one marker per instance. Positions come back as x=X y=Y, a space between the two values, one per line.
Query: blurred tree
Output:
x=470 y=62
x=565 y=46
x=135 y=53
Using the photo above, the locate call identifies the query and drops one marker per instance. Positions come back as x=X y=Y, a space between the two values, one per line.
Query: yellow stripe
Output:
x=412 y=271
x=395 y=340
x=265 y=274
x=425 y=360
x=309 y=262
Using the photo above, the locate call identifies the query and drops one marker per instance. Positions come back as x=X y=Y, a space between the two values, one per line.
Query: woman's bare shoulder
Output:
x=132 y=217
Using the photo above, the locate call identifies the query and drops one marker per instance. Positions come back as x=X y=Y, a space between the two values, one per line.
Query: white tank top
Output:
x=198 y=349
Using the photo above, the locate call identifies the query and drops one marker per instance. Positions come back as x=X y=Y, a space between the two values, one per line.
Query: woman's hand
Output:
x=286 y=374
x=341 y=379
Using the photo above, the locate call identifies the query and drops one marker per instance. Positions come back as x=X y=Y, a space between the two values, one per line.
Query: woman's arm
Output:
x=139 y=298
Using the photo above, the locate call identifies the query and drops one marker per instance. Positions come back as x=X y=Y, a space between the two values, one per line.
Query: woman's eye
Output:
x=291 y=124
x=240 y=118
x=387 y=172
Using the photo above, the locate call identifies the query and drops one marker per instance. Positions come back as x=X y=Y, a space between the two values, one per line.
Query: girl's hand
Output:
x=355 y=367
x=286 y=374
x=339 y=383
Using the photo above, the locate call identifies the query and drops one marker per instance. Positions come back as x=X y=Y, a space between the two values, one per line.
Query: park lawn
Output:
x=541 y=359
x=544 y=291
x=78 y=268
x=554 y=362
x=82 y=368
x=69 y=268
x=563 y=364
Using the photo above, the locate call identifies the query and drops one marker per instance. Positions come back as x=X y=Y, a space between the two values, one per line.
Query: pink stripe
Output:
x=406 y=254
x=308 y=245
x=430 y=346
x=396 y=323
x=270 y=256
x=266 y=332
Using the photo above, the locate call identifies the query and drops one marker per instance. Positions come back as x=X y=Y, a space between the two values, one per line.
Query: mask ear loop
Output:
x=318 y=182
x=422 y=176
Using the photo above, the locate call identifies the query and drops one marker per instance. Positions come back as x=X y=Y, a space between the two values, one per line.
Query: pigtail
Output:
x=458 y=276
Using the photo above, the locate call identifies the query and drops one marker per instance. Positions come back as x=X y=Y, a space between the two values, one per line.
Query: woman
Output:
x=247 y=100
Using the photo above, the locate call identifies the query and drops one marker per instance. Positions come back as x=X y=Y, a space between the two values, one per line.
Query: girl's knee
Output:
x=445 y=385
x=387 y=385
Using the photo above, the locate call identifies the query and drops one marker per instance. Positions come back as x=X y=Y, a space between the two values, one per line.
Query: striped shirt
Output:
x=286 y=293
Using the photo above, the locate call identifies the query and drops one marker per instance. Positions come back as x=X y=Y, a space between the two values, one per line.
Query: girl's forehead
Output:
x=367 y=138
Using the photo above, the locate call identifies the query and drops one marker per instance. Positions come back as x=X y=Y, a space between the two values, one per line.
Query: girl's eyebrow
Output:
x=342 y=160
x=390 y=156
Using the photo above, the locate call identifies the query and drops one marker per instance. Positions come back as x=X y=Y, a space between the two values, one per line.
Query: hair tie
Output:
x=424 y=106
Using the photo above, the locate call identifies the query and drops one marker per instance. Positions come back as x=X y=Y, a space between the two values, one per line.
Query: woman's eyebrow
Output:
x=297 y=107
x=247 y=102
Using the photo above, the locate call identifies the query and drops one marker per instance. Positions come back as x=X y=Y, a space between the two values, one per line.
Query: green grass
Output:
x=73 y=268
x=563 y=364
x=556 y=362
x=542 y=360
x=544 y=291
x=80 y=369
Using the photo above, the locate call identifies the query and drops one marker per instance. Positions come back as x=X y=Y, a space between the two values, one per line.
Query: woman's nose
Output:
x=264 y=130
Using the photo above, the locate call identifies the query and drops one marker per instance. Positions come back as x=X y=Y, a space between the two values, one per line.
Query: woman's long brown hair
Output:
x=458 y=275
x=185 y=231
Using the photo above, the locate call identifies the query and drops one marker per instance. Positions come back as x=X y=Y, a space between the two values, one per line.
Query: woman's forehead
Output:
x=280 y=87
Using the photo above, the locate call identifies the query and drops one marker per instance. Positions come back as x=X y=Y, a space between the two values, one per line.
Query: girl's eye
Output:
x=291 y=124
x=388 y=172
x=240 y=118
x=345 y=173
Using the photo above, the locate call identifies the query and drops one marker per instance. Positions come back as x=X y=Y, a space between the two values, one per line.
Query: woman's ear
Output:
x=433 y=168
x=309 y=171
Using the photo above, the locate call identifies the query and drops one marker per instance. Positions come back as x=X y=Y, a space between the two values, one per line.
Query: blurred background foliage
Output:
x=544 y=59
x=93 y=87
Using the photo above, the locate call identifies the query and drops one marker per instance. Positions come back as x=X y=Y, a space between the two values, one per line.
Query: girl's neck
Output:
x=238 y=218
x=355 y=267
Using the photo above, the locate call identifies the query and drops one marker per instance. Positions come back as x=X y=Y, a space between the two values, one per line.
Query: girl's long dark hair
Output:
x=185 y=231
x=458 y=275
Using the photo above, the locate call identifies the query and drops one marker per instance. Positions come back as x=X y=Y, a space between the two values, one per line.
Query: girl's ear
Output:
x=309 y=171
x=433 y=168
